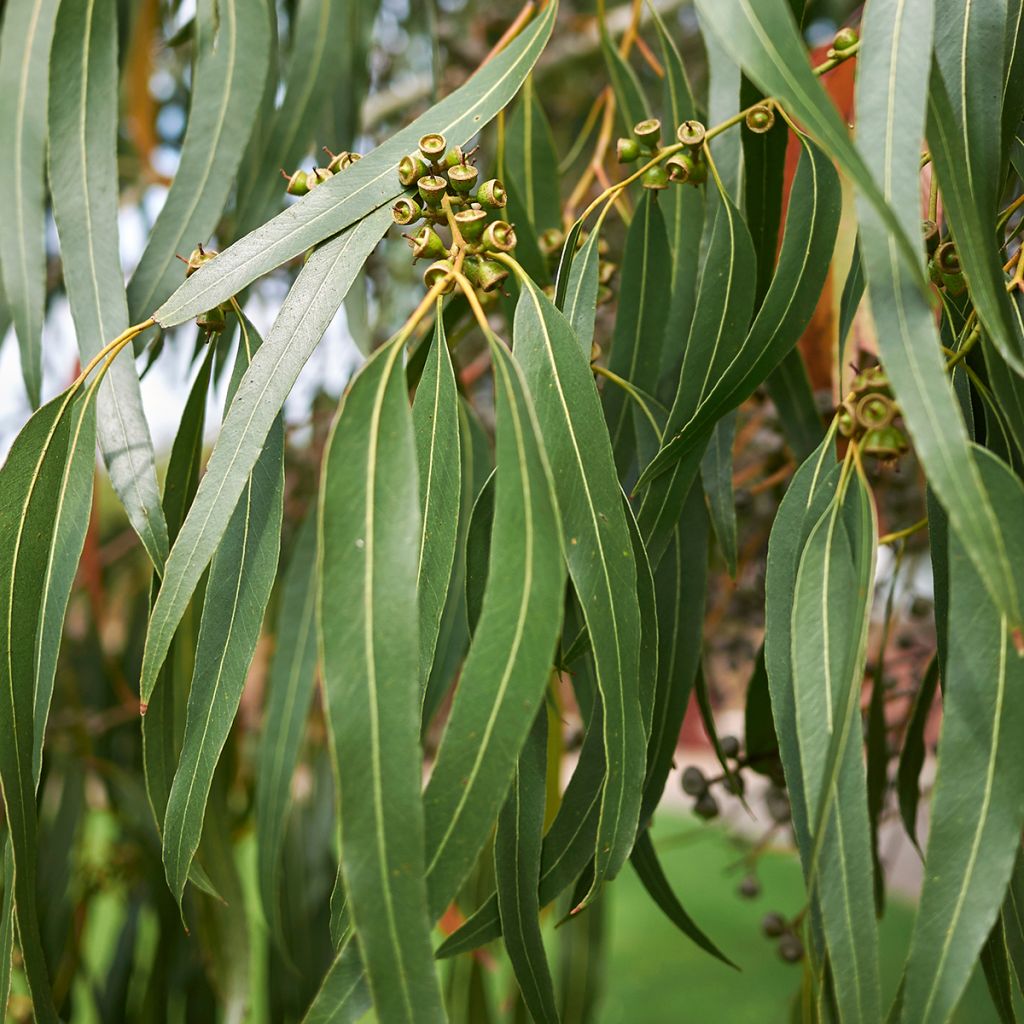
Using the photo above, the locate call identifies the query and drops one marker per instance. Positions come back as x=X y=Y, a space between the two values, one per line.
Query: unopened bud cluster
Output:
x=449 y=197
x=300 y=182
x=869 y=413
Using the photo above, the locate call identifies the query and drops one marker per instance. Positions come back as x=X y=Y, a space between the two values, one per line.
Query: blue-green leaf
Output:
x=231 y=40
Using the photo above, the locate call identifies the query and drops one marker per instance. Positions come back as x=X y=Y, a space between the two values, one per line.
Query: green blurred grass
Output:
x=655 y=975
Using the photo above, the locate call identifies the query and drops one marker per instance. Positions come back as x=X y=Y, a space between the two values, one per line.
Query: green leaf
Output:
x=812 y=220
x=651 y=874
x=509 y=662
x=231 y=48
x=1013 y=919
x=639 y=324
x=517 y=852
x=647 y=603
x=367 y=628
x=996 y=965
x=6 y=924
x=83 y=175
x=30 y=481
x=24 y=84
x=716 y=476
x=598 y=551
x=580 y=305
x=976 y=813
x=311 y=304
x=478 y=552
x=630 y=101
x=680 y=586
x=237 y=591
x=912 y=755
x=163 y=724
x=789 y=388
x=759 y=740
x=853 y=293
x=290 y=686
x=808 y=495
x=321 y=44
x=894 y=62
x=347 y=198
x=764 y=40
x=720 y=321
x=967 y=158
x=435 y=421
x=830 y=616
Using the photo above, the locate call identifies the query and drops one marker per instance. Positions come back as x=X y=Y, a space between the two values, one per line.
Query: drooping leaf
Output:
x=967 y=156
x=30 y=481
x=322 y=44
x=509 y=662
x=83 y=176
x=237 y=591
x=651 y=874
x=716 y=476
x=912 y=754
x=976 y=813
x=231 y=47
x=25 y=43
x=598 y=551
x=367 y=628
x=639 y=326
x=764 y=40
x=290 y=687
x=311 y=304
x=895 y=63
x=831 y=604
x=517 y=851
x=435 y=421
x=346 y=198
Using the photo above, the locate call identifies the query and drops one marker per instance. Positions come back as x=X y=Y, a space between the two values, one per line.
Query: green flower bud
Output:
x=297 y=183
x=648 y=132
x=406 y=211
x=845 y=40
x=432 y=188
x=691 y=133
x=627 y=150
x=427 y=244
x=463 y=178
x=411 y=168
x=655 y=178
x=761 y=119
x=433 y=146
x=492 y=193
x=500 y=236
x=437 y=272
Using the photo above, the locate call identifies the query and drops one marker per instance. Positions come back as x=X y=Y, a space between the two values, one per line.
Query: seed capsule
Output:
x=655 y=178
x=432 y=188
x=791 y=949
x=730 y=746
x=627 y=150
x=437 y=272
x=773 y=925
x=339 y=161
x=948 y=258
x=318 y=176
x=492 y=193
x=885 y=442
x=749 y=888
x=551 y=241
x=297 y=183
x=691 y=133
x=427 y=244
x=679 y=166
x=500 y=236
x=874 y=411
x=433 y=146
x=761 y=119
x=706 y=807
x=486 y=274
x=197 y=257
x=699 y=172
x=212 y=320
x=453 y=156
x=411 y=168
x=406 y=211
x=694 y=782
x=930 y=233
x=463 y=177
x=471 y=223
x=648 y=132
